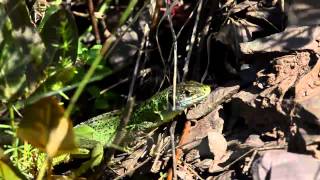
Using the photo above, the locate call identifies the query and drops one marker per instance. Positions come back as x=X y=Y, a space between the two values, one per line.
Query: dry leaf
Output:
x=217 y=145
x=44 y=126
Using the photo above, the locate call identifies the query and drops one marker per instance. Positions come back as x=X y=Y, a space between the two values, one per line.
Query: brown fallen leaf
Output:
x=217 y=144
x=43 y=125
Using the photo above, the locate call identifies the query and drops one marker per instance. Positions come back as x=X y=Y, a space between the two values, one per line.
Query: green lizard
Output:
x=97 y=133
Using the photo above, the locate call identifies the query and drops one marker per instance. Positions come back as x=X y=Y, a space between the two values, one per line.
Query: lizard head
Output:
x=189 y=93
x=158 y=109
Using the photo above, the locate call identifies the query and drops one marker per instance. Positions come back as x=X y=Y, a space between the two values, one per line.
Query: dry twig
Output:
x=185 y=134
x=94 y=21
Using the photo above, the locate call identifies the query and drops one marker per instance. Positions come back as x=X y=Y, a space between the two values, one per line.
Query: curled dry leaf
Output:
x=217 y=144
x=44 y=126
x=218 y=147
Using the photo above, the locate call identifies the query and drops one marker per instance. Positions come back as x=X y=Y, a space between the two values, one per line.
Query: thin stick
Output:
x=108 y=46
x=208 y=57
x=168 y=11
x=142 y=73
x=174 y=158
x=156 y=12
x=247 y=167
x=121 y=131
x=166 y=14
x=204 y=34
x=192 y=40
x=118 y=137
x=135 y=72
x=175 y=61
x=43 y=168
x=246 y=153
x=134 y=169
x=94 y=22
x=130 y=99
x=179 y=152
x=157 y=152
x=193 y=171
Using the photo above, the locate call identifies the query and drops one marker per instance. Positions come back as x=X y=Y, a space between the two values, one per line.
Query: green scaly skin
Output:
x=99 y=132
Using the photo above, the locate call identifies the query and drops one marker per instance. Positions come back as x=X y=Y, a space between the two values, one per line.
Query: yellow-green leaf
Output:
x=7 y=171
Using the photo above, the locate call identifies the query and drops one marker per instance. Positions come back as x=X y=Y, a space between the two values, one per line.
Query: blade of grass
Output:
x=127 y=12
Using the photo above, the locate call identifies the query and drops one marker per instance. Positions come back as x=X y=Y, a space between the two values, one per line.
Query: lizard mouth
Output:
x=193 y=102
x=188 y=94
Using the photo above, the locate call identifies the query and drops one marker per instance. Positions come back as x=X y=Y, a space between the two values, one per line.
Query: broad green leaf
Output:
x=12 y=76
x=21 y=52
x=43 y=126
x=12 y=66
x=18 y=13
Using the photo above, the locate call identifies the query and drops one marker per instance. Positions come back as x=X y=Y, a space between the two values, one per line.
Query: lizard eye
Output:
x=187 y=93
